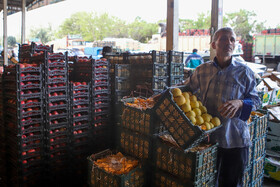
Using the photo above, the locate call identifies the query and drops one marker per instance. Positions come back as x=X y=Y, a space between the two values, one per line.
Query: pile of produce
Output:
x=116 y=164
x=194 y=110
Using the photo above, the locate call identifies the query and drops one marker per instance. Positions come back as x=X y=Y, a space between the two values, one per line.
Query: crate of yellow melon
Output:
x=184 y=116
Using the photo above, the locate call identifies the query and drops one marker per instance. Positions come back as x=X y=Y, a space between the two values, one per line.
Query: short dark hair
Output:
x=194 y=50
x=223 y=29
x=106 y=49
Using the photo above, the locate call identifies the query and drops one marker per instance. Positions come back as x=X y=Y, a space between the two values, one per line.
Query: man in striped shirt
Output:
x=227 y=88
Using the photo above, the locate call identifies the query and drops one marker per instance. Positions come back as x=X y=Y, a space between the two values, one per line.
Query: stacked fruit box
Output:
x=194 y=167
x=176 y=67
x=121 y=87
x=23 y=116
x=27 y=51
x=2 y=139
x=181 y=155
x=258 y=131
x=109 y=168
x=80 y=117
x=97 y=73
x=56 y=112
x=149 y=72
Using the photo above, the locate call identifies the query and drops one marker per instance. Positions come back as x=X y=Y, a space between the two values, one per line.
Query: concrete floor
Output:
x=270 y=183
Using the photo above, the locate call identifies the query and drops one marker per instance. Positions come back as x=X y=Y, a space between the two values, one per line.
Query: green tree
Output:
x=244 y=23
x=11 y=40
x=141 y=30
x=44 y=34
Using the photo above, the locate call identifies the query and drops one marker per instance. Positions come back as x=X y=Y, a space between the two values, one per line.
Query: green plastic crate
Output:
x=134 y=144
x=177 y=123
x=101 y=178
x=164 y=179
x=143 y=121
x=193 y=165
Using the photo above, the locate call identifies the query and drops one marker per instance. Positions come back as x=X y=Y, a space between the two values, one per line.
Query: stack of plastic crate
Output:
x=80 y=117
x=182 y=155
x=149 y=72
x=258 y=131
x=26 y=51
x=97 y=73
x=56 y=113
x=3 y=176
x=176 y=67
x=23 y=116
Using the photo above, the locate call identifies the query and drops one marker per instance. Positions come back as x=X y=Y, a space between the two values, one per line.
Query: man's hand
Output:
x=229 y=109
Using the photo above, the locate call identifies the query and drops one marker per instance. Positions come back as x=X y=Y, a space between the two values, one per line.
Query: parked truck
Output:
x=69 y=42
x=266 y=46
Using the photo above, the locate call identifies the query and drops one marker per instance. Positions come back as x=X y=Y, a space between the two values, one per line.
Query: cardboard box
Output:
x=273 y=143
x=272 y=168
x=275 y=97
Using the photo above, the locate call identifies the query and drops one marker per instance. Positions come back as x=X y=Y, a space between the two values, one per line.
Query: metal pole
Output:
x=23 y=21
x=216 y=21
x=5 y=42
x=172 y=29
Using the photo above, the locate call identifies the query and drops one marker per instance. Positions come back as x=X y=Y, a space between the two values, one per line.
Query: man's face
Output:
x=225 y=44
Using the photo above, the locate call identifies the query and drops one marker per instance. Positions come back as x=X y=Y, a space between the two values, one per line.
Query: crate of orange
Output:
x=185 y=117
x=139 y=115
x=195 y=165
x=113 y=169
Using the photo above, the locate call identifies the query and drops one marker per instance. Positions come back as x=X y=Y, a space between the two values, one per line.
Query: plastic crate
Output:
x=135 y=119
x=177 y=123
x=176 y=69
x=258 y=168
x=122 y=84
x=175 y=80
x=193 y=165
x=259 y=148
x=247 y=176
x=261 y=124
x=135 y=144
x=175 y=57
x=101 y=178
x=160 y=57
x=251 y=127
x=160 y=70
x=258 y=182
x=140 y=58
x=162 y=178
x=122 y=70
x=160 y=83
x=35 y=48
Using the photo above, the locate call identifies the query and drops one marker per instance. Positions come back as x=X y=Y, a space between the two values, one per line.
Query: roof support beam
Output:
x=5 y=41
x=216 y=21
x=172 y=29
x=23 y=21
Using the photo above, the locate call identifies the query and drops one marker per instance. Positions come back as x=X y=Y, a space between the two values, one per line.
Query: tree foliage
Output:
x=141 y=30
x=44 y=34
x=11 y=40
x=92 y=27
x=244 y=24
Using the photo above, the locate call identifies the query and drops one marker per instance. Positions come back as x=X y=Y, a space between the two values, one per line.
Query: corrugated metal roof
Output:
x=15 y=5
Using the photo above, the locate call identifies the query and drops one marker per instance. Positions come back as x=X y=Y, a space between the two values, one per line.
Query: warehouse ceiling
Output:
x=15 y=5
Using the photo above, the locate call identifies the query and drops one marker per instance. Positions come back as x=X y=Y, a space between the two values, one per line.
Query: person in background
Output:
x=227 y=88
x=193 y=60
x=105 y=50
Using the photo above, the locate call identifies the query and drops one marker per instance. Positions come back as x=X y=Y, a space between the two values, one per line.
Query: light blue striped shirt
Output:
x=214 y=86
